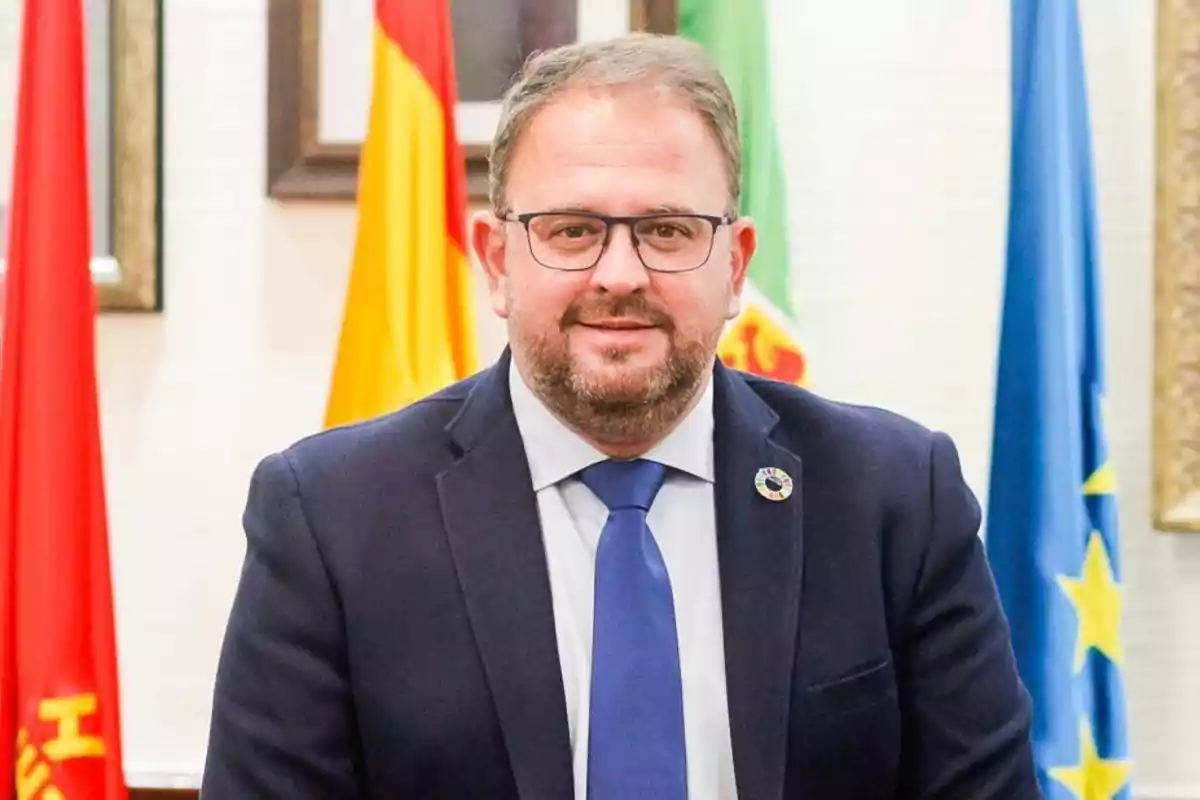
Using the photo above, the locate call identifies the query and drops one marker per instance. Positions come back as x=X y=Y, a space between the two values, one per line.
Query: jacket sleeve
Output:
x=967 y=715
x=282 y=724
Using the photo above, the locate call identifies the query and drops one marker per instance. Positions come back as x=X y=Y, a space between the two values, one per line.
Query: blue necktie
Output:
x=635 y=739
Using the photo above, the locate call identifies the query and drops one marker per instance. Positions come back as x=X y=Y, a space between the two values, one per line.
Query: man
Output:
x=609 y=567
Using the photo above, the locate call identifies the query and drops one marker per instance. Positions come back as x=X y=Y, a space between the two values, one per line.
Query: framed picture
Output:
x=1176 y=478
x=123 y=98
x=319 y=77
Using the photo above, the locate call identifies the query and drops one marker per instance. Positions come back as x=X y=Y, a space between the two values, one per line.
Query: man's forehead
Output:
x=603 y=113
x=595 y=140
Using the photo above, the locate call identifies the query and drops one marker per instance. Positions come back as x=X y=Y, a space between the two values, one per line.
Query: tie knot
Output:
x=625 y=484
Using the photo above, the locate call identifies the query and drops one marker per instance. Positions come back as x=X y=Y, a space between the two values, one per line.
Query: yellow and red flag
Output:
x=407 y=328
x=59 y=709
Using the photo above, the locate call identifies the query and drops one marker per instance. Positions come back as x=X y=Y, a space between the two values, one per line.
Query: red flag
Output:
x=58 y=673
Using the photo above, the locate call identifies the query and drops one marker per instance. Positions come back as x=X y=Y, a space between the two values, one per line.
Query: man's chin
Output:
x=617 y=396
x=621 y=383
x=609 y=356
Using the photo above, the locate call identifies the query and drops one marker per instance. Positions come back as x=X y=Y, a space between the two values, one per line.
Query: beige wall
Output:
x=895 y=134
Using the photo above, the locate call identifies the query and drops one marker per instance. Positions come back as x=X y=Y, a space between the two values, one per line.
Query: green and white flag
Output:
x=763 y=338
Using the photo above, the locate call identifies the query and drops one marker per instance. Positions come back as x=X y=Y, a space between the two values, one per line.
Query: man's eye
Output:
x=574 y=231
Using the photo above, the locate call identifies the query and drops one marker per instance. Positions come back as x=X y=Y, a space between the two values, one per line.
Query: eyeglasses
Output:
x=575 y=241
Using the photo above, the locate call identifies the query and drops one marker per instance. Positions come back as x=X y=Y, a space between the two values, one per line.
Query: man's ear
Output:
x=743 y=241
x=490 y=244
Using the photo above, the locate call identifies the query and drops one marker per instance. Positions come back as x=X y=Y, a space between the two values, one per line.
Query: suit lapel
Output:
x=759 y=543
x=492 y=523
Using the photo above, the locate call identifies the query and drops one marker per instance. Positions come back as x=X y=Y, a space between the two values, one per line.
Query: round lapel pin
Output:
x=773 y=483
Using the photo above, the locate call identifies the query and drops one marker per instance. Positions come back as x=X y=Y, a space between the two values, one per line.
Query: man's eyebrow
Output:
x=582 y=208
x=670 y=208
x=571 y=208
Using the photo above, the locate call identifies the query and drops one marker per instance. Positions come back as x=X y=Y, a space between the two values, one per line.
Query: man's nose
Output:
x=620 y=270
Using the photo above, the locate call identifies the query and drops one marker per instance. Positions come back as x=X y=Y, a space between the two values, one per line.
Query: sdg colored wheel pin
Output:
x=773 y=483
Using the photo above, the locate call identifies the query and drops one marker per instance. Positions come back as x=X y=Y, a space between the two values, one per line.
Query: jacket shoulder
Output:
x=858 y=434
x=414 y=435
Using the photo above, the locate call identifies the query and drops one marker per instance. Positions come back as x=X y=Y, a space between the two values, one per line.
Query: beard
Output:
x=628 y=406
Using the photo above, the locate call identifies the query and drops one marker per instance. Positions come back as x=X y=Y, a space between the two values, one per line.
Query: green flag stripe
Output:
x=735 y=33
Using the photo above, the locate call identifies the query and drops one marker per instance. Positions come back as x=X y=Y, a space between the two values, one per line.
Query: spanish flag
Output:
x=59 y=709
x=407 y=327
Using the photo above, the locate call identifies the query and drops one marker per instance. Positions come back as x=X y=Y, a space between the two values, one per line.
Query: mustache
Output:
x=635 y=307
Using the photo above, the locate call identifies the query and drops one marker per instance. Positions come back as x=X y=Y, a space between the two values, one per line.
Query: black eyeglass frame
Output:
x=610 y=221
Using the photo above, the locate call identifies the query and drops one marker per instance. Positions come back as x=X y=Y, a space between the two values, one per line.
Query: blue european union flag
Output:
x=1051 y=530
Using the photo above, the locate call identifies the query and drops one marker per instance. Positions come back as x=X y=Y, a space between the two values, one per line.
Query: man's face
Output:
x=618 y=349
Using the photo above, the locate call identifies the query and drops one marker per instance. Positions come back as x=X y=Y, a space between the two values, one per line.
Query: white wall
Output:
x=896 y=143
x=894 y=117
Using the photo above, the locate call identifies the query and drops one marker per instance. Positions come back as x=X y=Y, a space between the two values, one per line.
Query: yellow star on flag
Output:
x=1097 y=600
x=1094 y=778
x=1102 y=481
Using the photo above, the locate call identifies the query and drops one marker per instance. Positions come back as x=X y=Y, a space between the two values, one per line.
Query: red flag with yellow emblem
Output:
x=59 y=715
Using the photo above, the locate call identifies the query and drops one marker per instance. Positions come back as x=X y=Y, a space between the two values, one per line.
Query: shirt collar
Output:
x=556 y=452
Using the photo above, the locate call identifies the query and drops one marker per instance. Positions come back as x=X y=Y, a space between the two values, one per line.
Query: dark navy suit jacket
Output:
x=392 y=634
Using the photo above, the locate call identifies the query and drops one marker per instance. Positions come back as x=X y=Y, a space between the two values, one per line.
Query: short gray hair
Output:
x=674 y=63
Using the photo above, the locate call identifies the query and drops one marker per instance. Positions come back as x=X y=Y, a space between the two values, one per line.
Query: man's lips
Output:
x=617 y=324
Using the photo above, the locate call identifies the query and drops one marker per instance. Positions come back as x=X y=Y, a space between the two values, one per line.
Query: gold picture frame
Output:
x=136 y=152
x=124 y=96
x=1176 y=457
